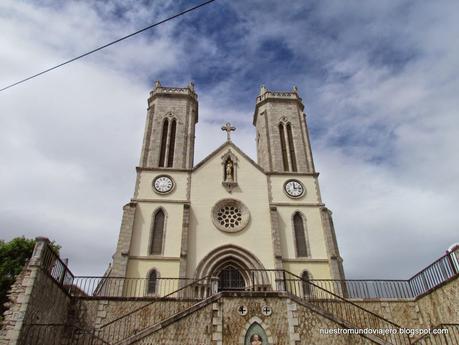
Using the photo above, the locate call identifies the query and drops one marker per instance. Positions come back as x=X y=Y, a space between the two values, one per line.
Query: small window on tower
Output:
x=151 y=284
x=306 y=277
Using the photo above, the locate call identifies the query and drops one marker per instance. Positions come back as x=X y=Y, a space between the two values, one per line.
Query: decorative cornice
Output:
x=173 y=91
x=161 y=201
x=162 y=169
x=186 y=92
x=276 y=96
x=154 y=257
x=290 y=173
x=295 y=204
x=305 y=260
x=290 y=95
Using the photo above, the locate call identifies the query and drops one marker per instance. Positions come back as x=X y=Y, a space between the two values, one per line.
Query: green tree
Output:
x=13 y=256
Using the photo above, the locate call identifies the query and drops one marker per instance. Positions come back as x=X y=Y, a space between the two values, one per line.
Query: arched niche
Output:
x=256 y=326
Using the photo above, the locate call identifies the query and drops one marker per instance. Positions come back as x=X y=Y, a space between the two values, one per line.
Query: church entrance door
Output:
x=229 y=279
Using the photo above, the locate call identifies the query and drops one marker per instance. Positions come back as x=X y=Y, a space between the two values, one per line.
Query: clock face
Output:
x=294 y=188
x=163 y=184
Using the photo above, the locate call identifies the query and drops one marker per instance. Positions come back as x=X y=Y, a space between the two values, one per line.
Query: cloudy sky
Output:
x=379 y=79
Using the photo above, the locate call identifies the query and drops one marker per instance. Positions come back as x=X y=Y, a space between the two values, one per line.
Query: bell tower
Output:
x=282 y=134
x=170 y=128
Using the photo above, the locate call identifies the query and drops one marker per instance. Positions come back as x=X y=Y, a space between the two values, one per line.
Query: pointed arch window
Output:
x=283 y=146
x=230 y=278
x=157 y=233
x=170 y=158
x=291 y=147
x=162 y=154
x=151 y=283
x=306 y=277
x=300 y=235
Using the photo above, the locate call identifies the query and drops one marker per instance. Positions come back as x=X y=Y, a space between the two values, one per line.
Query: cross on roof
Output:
x=228 y=128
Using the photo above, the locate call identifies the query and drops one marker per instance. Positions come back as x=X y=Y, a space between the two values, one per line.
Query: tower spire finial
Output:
x=263 y=89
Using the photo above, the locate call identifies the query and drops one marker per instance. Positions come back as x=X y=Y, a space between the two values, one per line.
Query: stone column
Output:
x=120 y=258
x=336 y=262
x=184 y=245
x=275 y=237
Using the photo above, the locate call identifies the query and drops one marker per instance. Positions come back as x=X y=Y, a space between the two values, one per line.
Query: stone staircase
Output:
x=438 y=336
x=143 y=322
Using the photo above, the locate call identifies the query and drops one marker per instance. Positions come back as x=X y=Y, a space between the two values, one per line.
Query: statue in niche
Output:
x=256 y=335
x=229 y=171
x=256 y=339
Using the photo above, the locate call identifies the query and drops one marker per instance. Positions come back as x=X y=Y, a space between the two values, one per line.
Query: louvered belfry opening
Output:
x=162 y=154
x=283 y=147
x=156 y=242
x=300 y=237
x=291 y=147
x=170 y=158
x=229 y=279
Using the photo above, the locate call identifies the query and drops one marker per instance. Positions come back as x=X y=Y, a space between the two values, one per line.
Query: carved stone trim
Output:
x=293 y=323
x=296 y=204
x=275 y=237
x=229 y=184
x=305 y=260
x=184 y=242
x=154 y=257
x=256 y=319
x=161 y=201
x=230 y=215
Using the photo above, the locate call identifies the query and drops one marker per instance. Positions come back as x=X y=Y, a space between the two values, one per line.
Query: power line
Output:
x=108 y=44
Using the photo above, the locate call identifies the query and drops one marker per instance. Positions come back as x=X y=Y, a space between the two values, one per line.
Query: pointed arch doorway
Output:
x=235 y=268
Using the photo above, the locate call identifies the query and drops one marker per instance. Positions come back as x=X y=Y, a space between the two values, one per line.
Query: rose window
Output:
x=230 y=215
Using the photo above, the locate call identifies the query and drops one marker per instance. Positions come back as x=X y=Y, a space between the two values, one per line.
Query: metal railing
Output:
x=154 y=312
x=52 y=264
x=367 y=289
x=440 y=271
x=436 y=273
x=90 y=286
x=443 y=334
x=348 y=313
x=426 y=280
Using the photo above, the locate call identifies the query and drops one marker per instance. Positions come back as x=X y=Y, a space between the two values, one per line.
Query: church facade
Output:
x=227 y=215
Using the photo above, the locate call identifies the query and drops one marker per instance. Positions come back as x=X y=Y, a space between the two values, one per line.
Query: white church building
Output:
x=226 y=215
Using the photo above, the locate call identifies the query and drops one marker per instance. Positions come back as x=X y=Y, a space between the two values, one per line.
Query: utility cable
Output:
x=108 y=44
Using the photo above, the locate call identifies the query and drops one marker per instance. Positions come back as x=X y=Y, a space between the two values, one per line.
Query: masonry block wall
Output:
x=429 y=310
x=215 y=323
x=35 y=298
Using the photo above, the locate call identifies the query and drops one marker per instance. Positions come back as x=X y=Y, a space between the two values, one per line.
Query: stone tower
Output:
x=282 y=134
x=170 y=128
x=168 y=147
